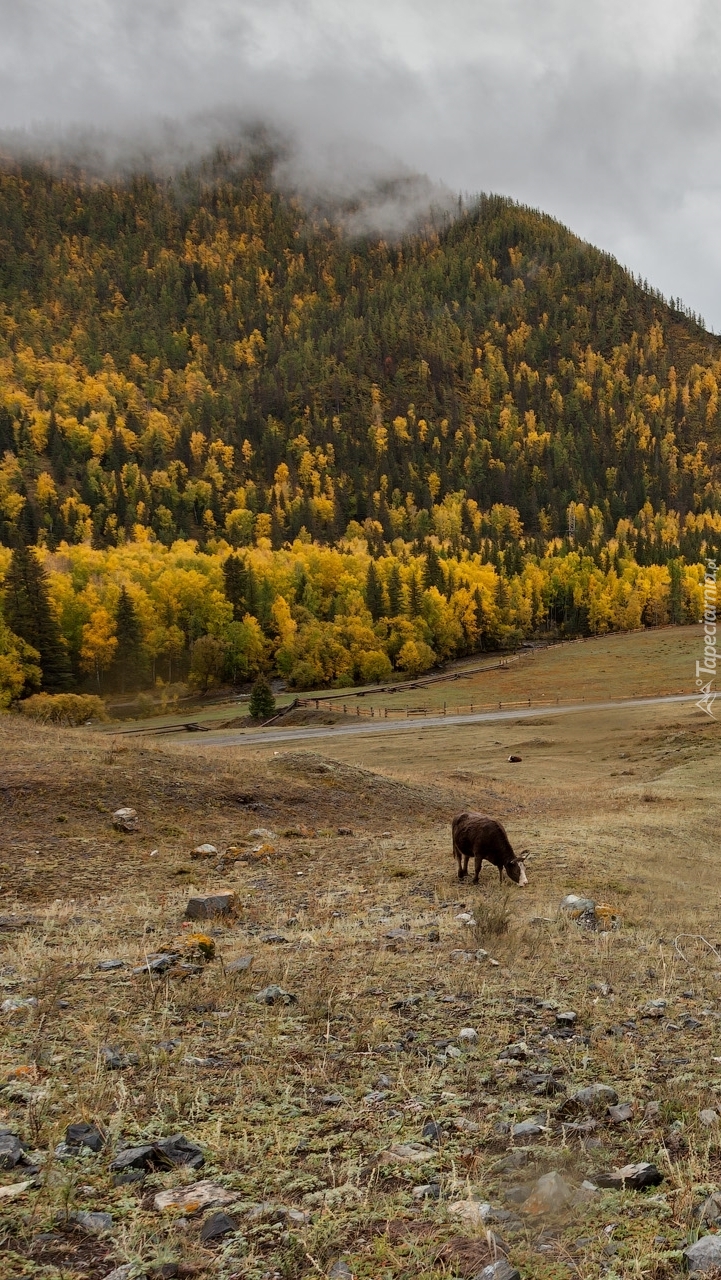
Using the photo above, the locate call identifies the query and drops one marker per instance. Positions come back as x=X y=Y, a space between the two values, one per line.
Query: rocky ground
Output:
x=339 y=1061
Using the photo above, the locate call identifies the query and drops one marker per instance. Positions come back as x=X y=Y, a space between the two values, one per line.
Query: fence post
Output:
x=357 y=709
x=345 y=709
x=386 y=713
x=444 y=708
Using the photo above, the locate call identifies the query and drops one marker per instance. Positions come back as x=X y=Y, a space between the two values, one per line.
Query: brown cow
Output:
x=478 y=837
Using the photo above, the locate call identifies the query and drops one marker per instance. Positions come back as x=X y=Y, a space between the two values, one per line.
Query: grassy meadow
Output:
x=310 y=1115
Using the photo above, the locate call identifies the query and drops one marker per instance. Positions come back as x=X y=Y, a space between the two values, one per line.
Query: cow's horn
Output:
x=524 y=855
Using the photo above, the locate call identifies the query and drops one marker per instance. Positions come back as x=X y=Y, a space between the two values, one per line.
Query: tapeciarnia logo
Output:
x=708 y=667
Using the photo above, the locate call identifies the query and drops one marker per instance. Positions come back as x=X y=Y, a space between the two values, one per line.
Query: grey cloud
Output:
x=606 y=114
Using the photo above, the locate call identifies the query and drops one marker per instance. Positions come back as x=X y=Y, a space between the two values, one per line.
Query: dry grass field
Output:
x=319 y=1119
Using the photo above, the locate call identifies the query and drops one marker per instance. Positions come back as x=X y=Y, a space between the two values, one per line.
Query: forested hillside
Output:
x=198 y=362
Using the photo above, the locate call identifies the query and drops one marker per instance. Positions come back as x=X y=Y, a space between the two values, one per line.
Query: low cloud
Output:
x=606 y=115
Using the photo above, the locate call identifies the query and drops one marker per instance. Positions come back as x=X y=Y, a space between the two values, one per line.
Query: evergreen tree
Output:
x=374 y=592
x=262 y=702
x=432 y=572
x=414 y=596
x=480 y=616
x=395 y=591
x=675 y=597
x=129 y=636
x=235 y=574
x=29 y=614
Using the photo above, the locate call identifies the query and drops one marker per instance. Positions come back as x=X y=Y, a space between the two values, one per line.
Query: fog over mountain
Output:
x=606 y=115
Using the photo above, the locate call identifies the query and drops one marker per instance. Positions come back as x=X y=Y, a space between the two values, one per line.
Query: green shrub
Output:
x=262 y=702
x=64 y=708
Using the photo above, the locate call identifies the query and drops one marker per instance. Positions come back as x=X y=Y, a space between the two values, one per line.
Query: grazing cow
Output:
x=478 y=837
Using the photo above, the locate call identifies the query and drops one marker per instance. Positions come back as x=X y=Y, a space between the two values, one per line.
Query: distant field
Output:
x=615 y=666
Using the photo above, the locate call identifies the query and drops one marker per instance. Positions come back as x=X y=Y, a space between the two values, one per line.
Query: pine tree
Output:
x=374 y=592
x=414 y=596
x=395 y=591
x=675 y=595
x=262 y=702
x=129 y=636
x=236 y=582
x=29 y=614
x=432 y=572
x=480 y=616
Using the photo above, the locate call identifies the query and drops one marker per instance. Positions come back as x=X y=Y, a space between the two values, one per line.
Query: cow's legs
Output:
x=462 y=870
x=478 y=864
x=500 y=875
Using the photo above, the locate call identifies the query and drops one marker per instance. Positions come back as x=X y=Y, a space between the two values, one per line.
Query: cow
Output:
x=477 y=836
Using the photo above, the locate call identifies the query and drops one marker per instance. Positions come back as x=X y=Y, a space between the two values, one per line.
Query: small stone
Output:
x=84 y=1135
x=239 y=965
x=96 y=1224
x=384 y=1082
x=433 y=1132
x=654 y=1009
x=115 y=1061
x=214 y=904
x=596 y=1098
x=273 y=937
x=333 y=1100
x=515 y=759
x=16 y=1004
x=158 y=962
x=204 y=851
x=620 y=1114
x=577 y=906
x=345 y=831
x=633 y=1177
x=217 y=1225
x=514 y=1052
x=262 y=833
x=339 y=1270
x=528 y=1129
x=462 y=957
x=550 y=1195
x=11 y=1150
x=427 y=1191
x=106 y=966
x=275 y=995
x=405 y=1153
x=468 y=1035
x=128 y=1271
x=652 y=1111
x=190 y=1199
x=709 y=1117
x=126 y=820
x=499 y=1270
x=567 y=1018
x=474 y=1213
x=704 y=1254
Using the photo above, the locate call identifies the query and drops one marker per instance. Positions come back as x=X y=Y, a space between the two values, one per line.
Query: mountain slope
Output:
x=199 y=358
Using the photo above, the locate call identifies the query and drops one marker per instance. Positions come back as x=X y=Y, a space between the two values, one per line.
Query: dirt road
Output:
x=269 y=737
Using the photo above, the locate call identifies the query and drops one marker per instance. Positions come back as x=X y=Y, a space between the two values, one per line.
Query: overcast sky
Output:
x=605 y=113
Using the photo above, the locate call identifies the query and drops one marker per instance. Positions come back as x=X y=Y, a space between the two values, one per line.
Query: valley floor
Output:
x=317 y=1118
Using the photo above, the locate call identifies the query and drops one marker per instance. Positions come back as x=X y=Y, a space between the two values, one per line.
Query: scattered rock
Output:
x=239 y=965
x=474 y=1213
x=217 y=1225
x=204 y=851
x=704 y=1255
x=464 y=1125
x=16 y=1004
x=540 y=1083
x=345 y=831
x=621 y=1114
x=339 y=1270
x=427 y=1191
x=165 y=1153
x=590 y=914
x=273 y=937
x=405 y=1002
x=115 y=1061
x=433 y=1132
x=500 y=1270
x=84 y=1135
x=333 y=1100
x=566 y=1019
x=515 y=1052
x=709 y=1117
x=128 y=1271
x=654 y=1009
x=199 y=1195
x=528 y=1129
x=632 y=1177
x=595 y=1098
x=158 y=962
x=15 y=1189
x=515 y=759
x=96 y=1224
x=550 y=1195
x=106 y=966
x=214 y=904
x=126 y=820
x=275 y=995
x=710 y=1211
x=11 y=1150
x=468 y=1035
x=262 y=833
x=406 y=1153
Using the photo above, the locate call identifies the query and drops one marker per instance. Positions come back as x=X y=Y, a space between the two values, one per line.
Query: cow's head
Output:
x=516 y=869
